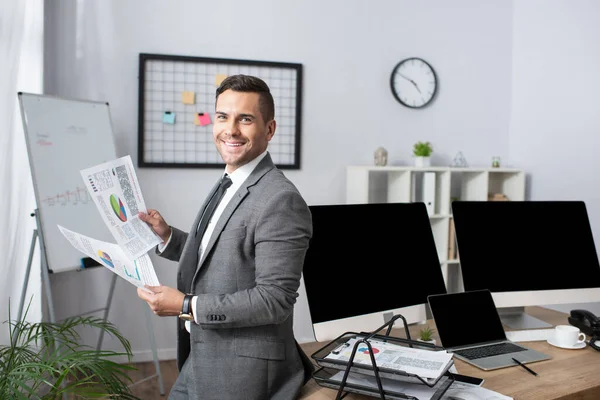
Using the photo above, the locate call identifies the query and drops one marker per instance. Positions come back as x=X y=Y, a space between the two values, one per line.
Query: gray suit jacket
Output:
x=246 y=283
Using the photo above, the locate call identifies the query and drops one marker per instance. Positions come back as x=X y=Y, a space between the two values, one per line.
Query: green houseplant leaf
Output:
x=426 y=333
x=45 y=360
x=422 y=149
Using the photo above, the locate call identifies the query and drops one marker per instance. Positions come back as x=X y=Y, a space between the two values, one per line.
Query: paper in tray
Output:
x=394 y=389
x=321 y=357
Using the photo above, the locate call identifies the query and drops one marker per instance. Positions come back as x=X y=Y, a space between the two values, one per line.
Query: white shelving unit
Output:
x=389 y=184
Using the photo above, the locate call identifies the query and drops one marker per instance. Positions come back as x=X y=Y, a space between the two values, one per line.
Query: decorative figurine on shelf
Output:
x=495 y=162
x=381 y=155
x=459 y=160
x=497 y=197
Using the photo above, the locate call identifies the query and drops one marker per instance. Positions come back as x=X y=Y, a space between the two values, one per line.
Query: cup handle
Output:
x=581 y=337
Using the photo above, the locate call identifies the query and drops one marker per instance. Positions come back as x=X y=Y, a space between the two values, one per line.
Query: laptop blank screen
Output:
x=466 y=318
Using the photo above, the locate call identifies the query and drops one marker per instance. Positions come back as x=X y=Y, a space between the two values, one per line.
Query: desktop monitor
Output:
x=368 y=262
x=527 y=253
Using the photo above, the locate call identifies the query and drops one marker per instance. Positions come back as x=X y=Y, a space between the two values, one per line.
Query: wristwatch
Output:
x=186 y=309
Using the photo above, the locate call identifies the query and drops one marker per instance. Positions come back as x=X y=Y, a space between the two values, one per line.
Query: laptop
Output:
x=469 y=326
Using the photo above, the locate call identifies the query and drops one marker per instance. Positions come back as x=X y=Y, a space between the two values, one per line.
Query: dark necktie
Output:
x=212 y=206
x=205 y=219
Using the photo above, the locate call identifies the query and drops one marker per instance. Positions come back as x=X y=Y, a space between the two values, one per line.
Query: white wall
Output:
x=555 y=119
x=348 y=49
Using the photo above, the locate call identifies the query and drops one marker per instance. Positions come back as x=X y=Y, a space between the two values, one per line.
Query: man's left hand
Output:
x=163 y=301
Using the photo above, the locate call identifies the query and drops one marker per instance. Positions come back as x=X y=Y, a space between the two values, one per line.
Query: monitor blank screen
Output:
x=516 y=246
x=369 y=258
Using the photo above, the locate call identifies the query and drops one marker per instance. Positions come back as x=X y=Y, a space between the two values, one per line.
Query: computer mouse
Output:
x=463 y=395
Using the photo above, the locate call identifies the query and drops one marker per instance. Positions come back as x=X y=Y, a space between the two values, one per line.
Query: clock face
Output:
x=413 y=82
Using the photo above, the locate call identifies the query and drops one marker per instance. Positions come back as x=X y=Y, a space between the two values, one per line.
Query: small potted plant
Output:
x=426 y=335
x=422 y=152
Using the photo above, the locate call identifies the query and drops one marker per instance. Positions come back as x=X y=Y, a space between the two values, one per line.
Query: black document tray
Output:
x=323 y=375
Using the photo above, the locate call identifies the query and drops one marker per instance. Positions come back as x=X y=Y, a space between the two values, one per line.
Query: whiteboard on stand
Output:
x=64 y=136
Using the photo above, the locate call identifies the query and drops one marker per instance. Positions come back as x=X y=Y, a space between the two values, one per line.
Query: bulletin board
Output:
x=177 y=105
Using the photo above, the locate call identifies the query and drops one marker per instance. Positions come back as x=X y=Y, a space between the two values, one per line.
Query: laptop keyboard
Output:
x=487 y=351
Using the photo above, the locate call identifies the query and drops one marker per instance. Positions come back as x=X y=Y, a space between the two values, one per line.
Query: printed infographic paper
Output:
x=116 y=192
x=115 y=189
x=139 y=272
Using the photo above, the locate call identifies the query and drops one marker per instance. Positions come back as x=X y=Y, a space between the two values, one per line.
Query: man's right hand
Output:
x=157 y=223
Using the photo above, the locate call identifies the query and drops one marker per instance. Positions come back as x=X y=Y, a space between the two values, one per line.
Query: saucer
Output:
x=577 y=346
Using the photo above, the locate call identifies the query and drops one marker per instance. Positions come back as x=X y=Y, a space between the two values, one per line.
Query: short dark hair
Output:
x=247 y=83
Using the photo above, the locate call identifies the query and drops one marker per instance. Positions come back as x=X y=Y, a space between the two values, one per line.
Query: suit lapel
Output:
x=227 y=212
x=265 y=165
x=189 y=255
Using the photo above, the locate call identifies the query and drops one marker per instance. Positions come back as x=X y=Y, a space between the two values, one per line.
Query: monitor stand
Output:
x=516 y=318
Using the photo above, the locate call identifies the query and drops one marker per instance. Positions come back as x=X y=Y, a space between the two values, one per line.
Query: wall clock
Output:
x=413 y=82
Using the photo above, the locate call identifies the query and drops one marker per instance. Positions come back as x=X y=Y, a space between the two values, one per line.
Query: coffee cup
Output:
x=568 y=336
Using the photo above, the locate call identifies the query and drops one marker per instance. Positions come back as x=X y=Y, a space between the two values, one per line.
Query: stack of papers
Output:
x=394 y=361
x=445 y=389
x=359 y=383
x=116 y=192
x=403 y=371
x=466 y=391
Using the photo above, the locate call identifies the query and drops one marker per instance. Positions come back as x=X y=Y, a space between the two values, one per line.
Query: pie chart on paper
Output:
x=117 y=206
x=106 y=258
x=365 y=350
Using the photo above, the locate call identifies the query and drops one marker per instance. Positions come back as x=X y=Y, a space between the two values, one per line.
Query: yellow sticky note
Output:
x=188 y=97
x=219 y=78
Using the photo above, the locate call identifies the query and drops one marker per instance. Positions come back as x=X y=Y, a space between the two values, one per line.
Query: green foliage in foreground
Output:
x=45 y=361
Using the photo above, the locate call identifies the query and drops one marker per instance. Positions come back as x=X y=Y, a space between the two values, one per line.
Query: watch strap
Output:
x=187 y=304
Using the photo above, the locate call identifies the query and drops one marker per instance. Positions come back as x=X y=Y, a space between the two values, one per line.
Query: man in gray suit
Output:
x=237 y=282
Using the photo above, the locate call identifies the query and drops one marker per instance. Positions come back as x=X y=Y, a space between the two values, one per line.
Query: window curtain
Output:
x=21 y=70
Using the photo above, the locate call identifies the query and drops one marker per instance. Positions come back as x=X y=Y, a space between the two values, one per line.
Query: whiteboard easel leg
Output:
x=107 y=309
x=27 y=271
x=154 y=352
x=45 y=276
x=44 y=266
x=46 y=279
x=25 y=284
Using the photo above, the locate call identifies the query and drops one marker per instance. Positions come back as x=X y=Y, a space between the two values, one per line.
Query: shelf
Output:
x=404 y=184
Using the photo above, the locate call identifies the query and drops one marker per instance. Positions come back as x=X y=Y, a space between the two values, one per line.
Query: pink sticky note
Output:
x=203 y=119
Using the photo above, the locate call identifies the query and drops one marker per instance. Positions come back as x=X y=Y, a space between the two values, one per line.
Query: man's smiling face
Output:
x=239 y=130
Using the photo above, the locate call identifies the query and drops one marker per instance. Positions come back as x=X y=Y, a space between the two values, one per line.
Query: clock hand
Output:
x=407 y=78
x=411 y=81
